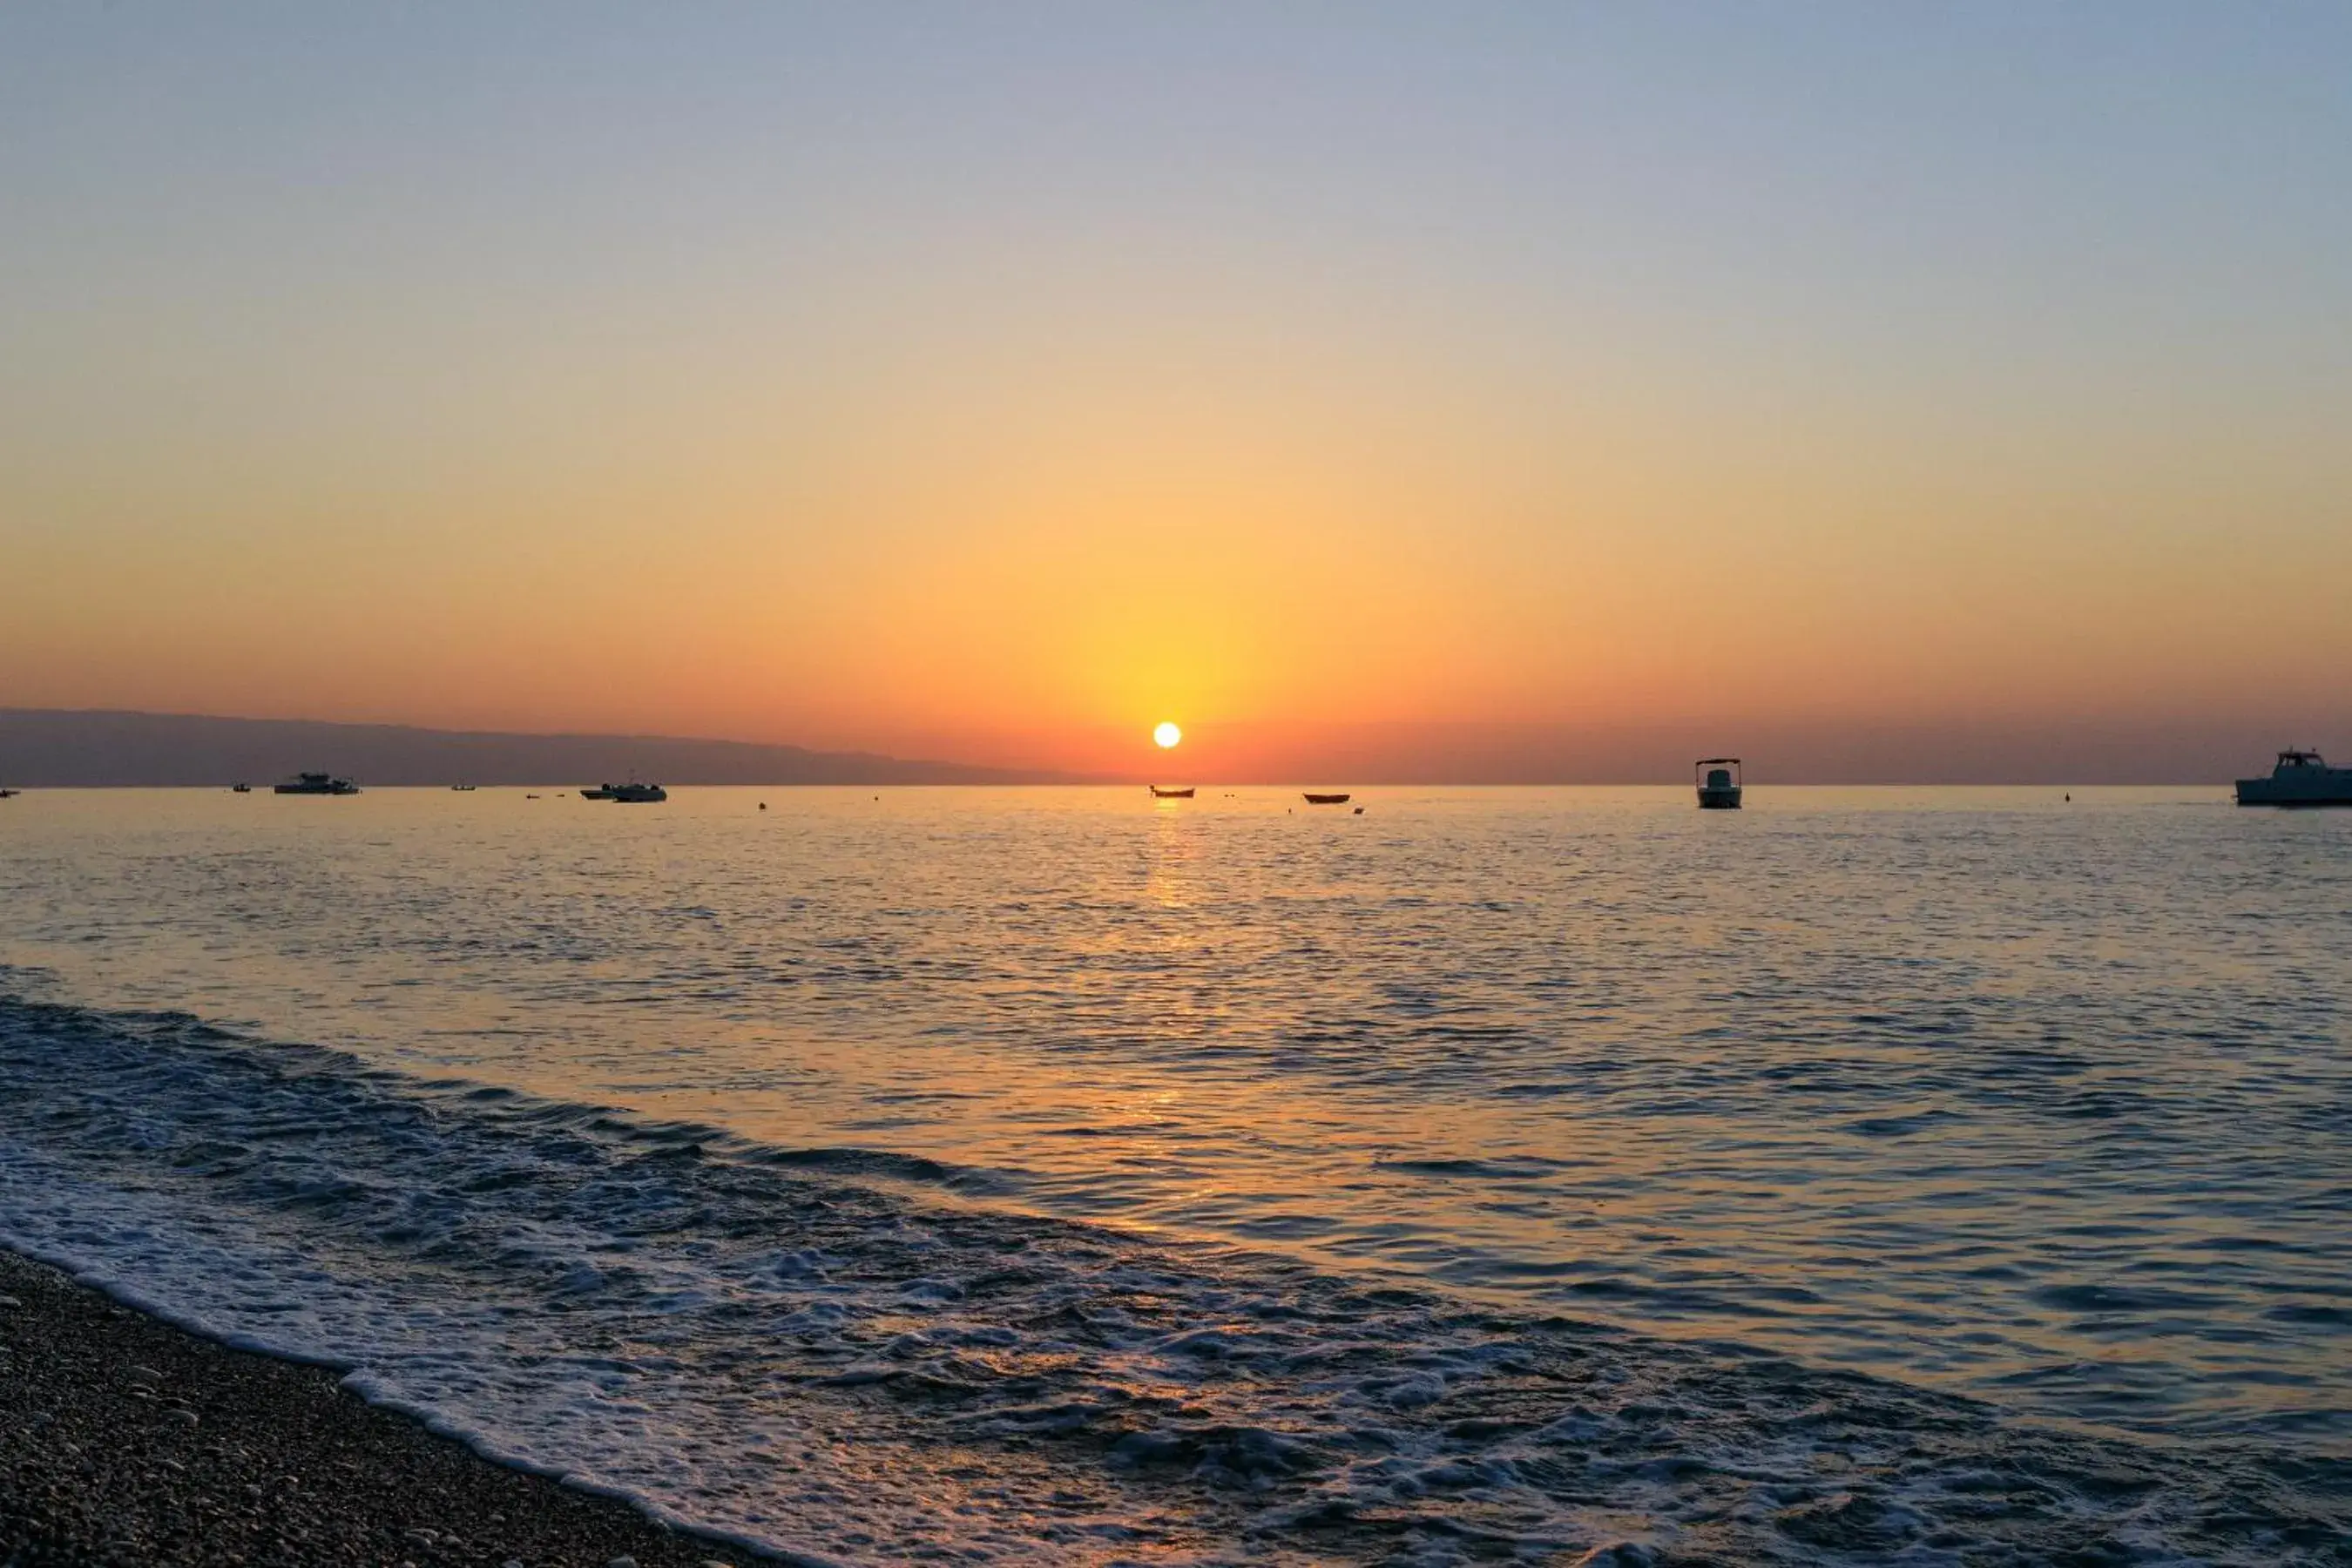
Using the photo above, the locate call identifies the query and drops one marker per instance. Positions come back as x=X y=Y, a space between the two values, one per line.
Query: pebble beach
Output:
x=126 y=1441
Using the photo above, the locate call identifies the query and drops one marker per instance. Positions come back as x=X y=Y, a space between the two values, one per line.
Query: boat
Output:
x=2299 y=778
x=628 y=793
x=1172 y=792
x=10 y=793
x=317 y=784
x=1718 y=783
x=1313 y=799
x=240 y=787
x=463 y=789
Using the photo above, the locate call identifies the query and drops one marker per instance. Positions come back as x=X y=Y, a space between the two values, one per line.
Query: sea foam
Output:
x=786 y=1349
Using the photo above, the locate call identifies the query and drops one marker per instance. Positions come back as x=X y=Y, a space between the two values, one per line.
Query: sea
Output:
x=1910 y=1175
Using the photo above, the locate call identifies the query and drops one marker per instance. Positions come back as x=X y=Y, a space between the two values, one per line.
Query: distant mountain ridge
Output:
x=68 y=748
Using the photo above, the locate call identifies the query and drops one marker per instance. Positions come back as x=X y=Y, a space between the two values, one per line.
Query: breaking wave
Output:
x=821 y=1350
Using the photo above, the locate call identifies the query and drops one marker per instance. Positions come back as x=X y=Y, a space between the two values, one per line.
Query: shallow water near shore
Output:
x=1497 y=1172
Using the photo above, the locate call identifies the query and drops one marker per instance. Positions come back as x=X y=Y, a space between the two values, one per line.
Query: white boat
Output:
x=2300 y=778
x=1718 y=783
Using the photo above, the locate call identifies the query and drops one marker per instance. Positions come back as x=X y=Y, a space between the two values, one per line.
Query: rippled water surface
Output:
x=1987 y=1094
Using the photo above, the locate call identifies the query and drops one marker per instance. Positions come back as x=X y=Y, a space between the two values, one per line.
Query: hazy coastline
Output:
x=42 y=748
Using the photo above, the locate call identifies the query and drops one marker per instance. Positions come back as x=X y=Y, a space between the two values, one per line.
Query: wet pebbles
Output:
x=125 y=1441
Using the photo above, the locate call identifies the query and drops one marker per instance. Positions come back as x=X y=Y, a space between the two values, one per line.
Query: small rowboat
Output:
x=1327 y=800
x=1172 y=792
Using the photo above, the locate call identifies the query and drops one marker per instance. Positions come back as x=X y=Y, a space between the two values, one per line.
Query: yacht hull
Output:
x=2301 y=778
x=2299 y=792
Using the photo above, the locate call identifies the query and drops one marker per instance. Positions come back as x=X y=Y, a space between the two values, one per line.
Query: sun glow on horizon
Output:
x=1570 y=462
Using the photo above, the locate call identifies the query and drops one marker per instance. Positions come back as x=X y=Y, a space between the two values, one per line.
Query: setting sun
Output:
x=1166 y=734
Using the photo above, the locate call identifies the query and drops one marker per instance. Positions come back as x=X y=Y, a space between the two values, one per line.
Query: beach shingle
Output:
x=125 y=1441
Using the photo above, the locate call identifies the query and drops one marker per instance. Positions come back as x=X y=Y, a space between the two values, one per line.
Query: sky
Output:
x=994 y=381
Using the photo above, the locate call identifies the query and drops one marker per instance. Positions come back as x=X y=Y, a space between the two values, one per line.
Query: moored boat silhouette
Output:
x=317 y=784
x=2299 y=778
x=1718 y=783
x=628 y=793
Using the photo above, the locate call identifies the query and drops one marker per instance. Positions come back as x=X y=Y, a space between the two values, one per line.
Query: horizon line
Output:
x=73 y=748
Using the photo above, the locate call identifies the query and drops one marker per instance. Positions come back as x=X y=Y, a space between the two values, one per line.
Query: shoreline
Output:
x=124 y=1439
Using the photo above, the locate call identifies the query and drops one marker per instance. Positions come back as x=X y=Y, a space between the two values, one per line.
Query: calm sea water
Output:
x=2038 y=1113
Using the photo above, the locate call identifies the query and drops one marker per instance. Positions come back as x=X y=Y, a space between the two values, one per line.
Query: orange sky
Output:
x=994 y=397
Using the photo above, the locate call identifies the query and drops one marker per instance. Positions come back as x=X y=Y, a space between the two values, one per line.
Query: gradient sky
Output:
x=991 y=381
